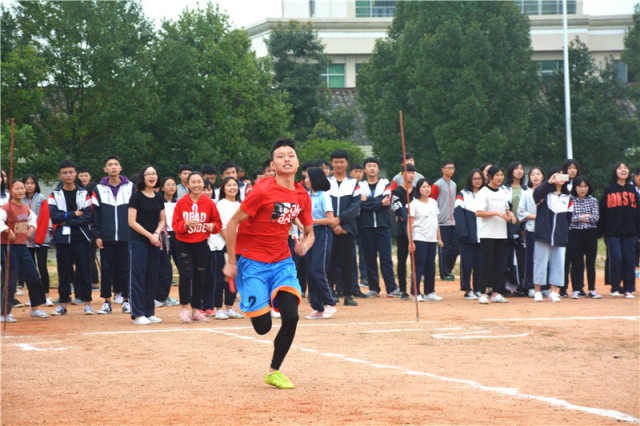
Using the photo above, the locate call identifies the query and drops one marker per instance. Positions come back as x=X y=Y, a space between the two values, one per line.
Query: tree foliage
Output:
x=604 y=118
x=461 y=72
x=91 y=78
x=631 y=53
x=298 y=62
x=321 y=148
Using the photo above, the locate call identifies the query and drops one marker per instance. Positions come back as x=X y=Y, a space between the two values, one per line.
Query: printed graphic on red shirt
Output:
x=284 y=212
x=194 y=215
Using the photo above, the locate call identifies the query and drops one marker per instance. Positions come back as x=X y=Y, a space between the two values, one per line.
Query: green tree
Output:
x=321 y=148
x=631 y=53
x=461 y=72
x=97 y=97
x=604 y=122
x=216 y=101
x=298 y=62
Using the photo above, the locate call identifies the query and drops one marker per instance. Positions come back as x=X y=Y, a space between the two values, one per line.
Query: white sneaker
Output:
x=88 y=310
x=537 y=297
x=434 y=297
x=575 y=295
x=594 y=295
x=329 y=311
x=141 y=321
x=233 y=314
x=275 y=314
x=483 y=299
x=19 y=292
x=470 y=296
x=48 y=302
x=154 y=319
x=118 y=299
x=126 y=308
x=106 y=308
x=220 y=315
x=616 y=294
x=498 y=298
x=554 y=297
x=39 y=314
x=158 y=303
x=10 y=318
x=628 y=295
x=420 y=298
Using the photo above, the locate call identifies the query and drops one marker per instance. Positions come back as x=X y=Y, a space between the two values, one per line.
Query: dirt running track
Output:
x=574 y=362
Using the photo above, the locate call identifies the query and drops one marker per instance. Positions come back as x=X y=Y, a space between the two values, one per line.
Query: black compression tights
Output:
x=288 y=305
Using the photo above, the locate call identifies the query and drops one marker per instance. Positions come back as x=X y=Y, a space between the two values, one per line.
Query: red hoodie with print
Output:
x=204 y=211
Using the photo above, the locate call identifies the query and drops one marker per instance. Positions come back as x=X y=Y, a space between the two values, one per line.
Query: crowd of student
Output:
x=515 y=236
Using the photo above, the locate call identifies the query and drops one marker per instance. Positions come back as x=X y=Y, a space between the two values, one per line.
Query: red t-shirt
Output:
x=204 y=211
x=271 y=209
x=17 y=217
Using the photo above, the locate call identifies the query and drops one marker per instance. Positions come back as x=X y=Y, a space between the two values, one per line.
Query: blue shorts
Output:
x=258 y=283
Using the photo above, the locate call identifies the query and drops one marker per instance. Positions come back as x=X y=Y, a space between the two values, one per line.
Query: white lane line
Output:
x=514 y=392
x=562 y=319
x=449 y=328
x=469 y=336
x=28 y=347
x=394 y=331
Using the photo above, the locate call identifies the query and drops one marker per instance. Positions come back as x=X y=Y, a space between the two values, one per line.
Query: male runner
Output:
x=265 y=274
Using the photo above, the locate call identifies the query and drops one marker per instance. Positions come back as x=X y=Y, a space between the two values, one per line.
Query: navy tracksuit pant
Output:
x=374 y=241
x=77 y=253
x=470 y=260
x=317 y=266
x=114 y=258
x=144 y=259
x=425 y=258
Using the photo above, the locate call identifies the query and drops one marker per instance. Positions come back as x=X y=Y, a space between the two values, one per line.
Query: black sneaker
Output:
x=359 y=295
x=563 y=292
x=404 y=296
x=348 y=301
x=583 y=294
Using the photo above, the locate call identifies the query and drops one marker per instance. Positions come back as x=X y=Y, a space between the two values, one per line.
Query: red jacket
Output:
x=204 y=211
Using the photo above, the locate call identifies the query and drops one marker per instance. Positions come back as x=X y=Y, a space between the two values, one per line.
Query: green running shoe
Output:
x=278 y=380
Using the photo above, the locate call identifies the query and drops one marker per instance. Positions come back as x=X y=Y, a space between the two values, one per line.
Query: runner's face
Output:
x=285 y=160
x=30 y=186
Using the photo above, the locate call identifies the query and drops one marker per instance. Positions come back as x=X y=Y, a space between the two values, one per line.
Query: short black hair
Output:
x=83 y=170
x=140 y=178
x=578 y=181
x=111 y=157
x=416 y=188
x=226 y=166
x=306 y=165
x=493 y=170
x=184 y=167
x=637 y=172
x=257 y=173
x=371 y=160
x=468 y=184
x=319 y=181
x=283 y=142
x=323 y=162
x=407 y=156
x=445 y=163
x=33 y=177
x=356 y=166
x=410 y=168
x=245 y=179
x=339 y=153
x=194 y=174
x=64 y=164
x=208 y=169
x=265 y=165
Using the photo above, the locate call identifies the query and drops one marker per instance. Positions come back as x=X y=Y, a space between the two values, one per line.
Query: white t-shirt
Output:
x=226 y=209
x=425 y=220
x=169 y=207
x=490 y=200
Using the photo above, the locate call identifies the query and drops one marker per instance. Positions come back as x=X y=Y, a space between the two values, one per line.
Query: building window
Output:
x=546 y=7
x=375 y=8
x=334 y=76
x=546 y=69
x=623 y=72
